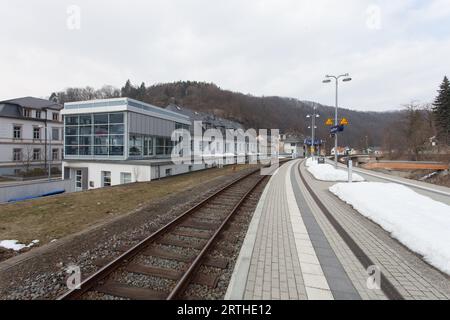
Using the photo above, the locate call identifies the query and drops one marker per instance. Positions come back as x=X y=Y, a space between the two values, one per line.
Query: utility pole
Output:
x=313 y=128
x=336 y=120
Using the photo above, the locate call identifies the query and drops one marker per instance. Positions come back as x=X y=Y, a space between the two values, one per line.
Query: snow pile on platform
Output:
x=15 y=245
x=327 y=172
x=310 y=162
x=419 y=222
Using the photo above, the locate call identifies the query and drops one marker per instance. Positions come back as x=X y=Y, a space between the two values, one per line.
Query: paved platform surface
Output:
x=293 y=251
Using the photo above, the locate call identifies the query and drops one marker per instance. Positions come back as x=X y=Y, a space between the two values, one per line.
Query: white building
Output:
x=30 y=135
x=117 y=141
x=291 y=145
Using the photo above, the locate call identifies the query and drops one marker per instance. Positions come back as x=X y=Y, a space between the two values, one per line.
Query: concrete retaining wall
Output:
x=32 y=189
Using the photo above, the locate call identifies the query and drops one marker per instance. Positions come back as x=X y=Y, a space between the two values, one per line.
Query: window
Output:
x=36 y=133
x=71 y=120
x=55 y=154
x=27 y=113
x=181 y=126
x=135 y=145
x=55 y=134
x=125 y=178
x=78 y=180
x=95 y=134
x=106 y=178
x=101 y=118
x=17 y=132
x=116 y=118
x=164 y=146
x=38 y=114
x=17 y=155
x=160 y=146
x=168 y=172
x=55 y=116
x=36 y=154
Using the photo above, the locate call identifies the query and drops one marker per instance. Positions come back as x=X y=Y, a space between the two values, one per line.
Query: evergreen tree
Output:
x=442 y=110
x=141 y=92
x=53 y=97
x=127 y=89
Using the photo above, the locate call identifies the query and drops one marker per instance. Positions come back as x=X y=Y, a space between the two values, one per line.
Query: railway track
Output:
x=177 y=252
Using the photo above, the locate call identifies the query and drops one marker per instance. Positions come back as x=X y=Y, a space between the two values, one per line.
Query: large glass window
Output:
x=135 y=145
x=116 y=128
x=160 y=146
x=71 y=131
x=101 y=118
x=71 y=150
x=71 y=120
x=116 y=140
x=116 y=118
x=85 y=120
x=86 y=130
x=95 y=134
x=71 y=140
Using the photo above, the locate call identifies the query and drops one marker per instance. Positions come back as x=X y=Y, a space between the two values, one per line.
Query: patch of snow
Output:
x=327 y=172
x=15 y=245
x=428 y=176
x=310 y=162
x=419 y=222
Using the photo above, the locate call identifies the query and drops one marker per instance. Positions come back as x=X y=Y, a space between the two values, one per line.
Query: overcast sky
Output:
x=396 y=51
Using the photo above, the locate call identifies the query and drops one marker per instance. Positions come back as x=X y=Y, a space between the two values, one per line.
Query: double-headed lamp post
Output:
x=346 y=78
x=313 y=128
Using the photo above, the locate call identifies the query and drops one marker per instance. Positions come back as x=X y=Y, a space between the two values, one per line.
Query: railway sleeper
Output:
x=134 y=293
x=192 y=234
x=181 y=243
x=209 y=280
x=215 y=262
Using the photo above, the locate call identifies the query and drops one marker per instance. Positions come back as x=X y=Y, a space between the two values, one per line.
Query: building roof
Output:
x=205 y=117
x=122 y=104
x=33 y=103
x=294 y=139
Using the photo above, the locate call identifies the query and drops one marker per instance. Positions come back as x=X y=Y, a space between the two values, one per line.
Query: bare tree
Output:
x=27 y=157
x=416 y=128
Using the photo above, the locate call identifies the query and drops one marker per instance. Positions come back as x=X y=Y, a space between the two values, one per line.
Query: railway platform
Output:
x=303 y=243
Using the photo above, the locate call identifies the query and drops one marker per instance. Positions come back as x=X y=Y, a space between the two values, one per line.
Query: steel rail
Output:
x=105 y=271
x=190 y=272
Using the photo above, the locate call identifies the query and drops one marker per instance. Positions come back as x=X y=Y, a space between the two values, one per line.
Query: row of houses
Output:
x=103 y=143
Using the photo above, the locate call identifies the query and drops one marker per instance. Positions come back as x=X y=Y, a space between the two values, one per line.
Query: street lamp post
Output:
x=48 y=153
x=313 y=128
x=347 y=78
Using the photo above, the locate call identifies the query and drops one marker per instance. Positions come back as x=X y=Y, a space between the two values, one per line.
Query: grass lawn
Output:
x=55 y=217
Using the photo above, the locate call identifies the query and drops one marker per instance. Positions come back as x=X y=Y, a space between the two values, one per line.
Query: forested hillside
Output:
x=286 y=114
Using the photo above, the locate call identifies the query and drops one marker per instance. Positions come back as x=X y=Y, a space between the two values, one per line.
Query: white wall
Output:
x=138 y=173
x=8 y=144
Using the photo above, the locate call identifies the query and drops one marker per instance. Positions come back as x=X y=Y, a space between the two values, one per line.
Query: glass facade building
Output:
x=119 y=129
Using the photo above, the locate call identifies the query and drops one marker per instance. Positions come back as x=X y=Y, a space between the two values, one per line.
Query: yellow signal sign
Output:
x=329 y=122
x=344 y=122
